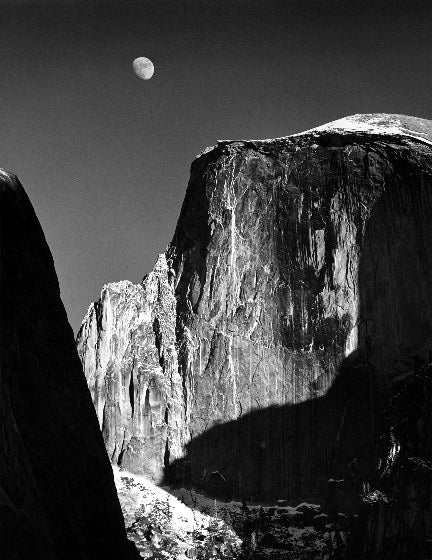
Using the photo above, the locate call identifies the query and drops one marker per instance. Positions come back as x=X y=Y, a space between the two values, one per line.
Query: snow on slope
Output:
x=163 y=527
x=4 y=173
x=189 y=525
x=379 y=123
x=383 y=124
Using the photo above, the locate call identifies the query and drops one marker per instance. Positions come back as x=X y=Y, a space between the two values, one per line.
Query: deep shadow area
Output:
x=331 y=436
x=57 y=493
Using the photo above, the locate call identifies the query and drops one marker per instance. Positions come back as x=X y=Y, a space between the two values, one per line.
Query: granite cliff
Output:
x=57 y=493
x=259 y=356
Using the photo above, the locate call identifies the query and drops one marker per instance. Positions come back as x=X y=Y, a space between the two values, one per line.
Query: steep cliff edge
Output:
x=256 y=358
x=57 y=494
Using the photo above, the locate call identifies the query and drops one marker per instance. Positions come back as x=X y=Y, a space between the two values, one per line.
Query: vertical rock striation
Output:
x=127 y=343
x=295 y=293
x=57 y=494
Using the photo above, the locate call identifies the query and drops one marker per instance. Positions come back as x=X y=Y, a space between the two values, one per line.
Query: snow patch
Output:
x=369 y=123
x=162 y=526
x=390 y=125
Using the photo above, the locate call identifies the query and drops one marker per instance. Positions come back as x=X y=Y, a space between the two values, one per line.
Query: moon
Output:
x=143 y=67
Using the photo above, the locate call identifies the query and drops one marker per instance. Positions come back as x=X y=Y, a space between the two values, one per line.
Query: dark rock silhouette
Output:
x=395 y=516
x=57 y=494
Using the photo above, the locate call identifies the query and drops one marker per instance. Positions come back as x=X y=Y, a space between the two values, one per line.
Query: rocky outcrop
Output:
x=295 y=293
x=57 y=494
x=127 y=343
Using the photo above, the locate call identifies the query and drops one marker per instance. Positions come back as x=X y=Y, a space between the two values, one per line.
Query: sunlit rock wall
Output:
x=303 y=273
x=299 y=287
x=128 y=347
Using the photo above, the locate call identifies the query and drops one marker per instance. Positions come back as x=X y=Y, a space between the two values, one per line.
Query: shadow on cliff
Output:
x=286 y=452
x=325 y=448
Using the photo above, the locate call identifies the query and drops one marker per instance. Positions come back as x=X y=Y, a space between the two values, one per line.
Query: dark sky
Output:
x=105 y=156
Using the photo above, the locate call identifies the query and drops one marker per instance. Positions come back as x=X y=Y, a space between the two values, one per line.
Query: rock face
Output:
x=128 y=345
x=255 y=359
x=57 y=494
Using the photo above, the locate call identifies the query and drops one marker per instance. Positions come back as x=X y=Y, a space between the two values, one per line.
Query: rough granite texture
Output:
x=57 y=494
x=295 y=294
x=128 y=345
